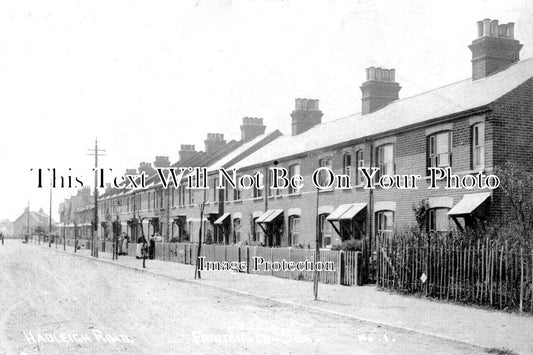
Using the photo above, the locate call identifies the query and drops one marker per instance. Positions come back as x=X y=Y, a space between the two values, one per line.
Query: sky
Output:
x=147 y=76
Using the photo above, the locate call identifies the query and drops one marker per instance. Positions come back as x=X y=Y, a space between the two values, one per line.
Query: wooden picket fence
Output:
x=346 y=263
x=480 y=272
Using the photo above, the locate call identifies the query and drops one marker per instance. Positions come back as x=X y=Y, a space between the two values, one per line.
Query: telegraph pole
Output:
x=50 y=222
x=28 y=219
x=96 y=152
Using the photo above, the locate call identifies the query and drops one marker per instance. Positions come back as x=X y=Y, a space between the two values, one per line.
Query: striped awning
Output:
x=269 y=216
x=346 y=211
x=469 y=204
x=222 y=218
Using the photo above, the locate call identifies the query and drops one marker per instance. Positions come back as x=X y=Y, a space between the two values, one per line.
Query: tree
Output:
x=516 y=183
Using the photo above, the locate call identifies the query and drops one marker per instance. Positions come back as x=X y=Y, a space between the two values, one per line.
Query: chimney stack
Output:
x=494 y=49
x=187 y=151
x=161 y=162
x=251 y=127
x=306 y=114
x=146 y=168
x=131 y=172
x=214 y=142
x=379 y=89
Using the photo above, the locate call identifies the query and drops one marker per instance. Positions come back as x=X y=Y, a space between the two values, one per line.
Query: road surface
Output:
x=57 y=303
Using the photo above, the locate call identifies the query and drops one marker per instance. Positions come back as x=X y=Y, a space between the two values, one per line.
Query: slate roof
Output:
x=451 y=99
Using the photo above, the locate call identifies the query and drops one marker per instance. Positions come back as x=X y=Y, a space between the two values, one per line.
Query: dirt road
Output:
x=55 y=303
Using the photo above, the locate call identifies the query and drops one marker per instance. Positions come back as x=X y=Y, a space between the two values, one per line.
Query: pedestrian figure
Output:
x=152 y=247
x=2 y=236
x=115 y=247
x=144 y=249
x=125 y=245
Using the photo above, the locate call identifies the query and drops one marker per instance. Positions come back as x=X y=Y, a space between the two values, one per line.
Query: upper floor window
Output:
x=346 y=163
x=478 y=146
x=236 y=193
x=324 y=175
x=440 y=150
x=258 y=192
x=272 y=191
x=215 y=190
x=294 y=170
x=359 y=162
x=384 y=222
x=385 y=160
x=160 y=198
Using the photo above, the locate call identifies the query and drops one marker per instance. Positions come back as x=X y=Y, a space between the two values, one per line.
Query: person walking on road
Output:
x=151 y=248
x=144 y=249
x=2 y=236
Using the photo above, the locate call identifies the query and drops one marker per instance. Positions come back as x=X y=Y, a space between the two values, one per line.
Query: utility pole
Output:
x=96 y=152
x=197 y=268
x=50 y=221
x=28 y=236
x=317 y=247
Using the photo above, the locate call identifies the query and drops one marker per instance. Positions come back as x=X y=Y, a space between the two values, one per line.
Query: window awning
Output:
x=269 y=216
x=346 y=212
x=469 y=204
x=222 y=218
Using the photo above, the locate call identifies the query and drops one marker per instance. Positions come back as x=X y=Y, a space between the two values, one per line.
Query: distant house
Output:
x=6 y=227
x=38 y=221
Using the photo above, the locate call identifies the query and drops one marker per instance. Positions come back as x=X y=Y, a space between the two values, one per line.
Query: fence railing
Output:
x=346 y=264
x=481 y=272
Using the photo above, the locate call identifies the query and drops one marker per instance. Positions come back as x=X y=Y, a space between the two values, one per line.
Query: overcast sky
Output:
x=147 y=76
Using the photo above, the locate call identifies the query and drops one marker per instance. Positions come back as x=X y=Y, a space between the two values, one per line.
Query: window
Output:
x=478 y=146
x=236 y=230
x=294 y=230
x=272 y=191
x=160 y=197
x=236 y=192
x=191 y=197
x=440 y=150
x=346 y=163
x=438 y=220
x=324 y=175
x=148 y=201
x=325 y=231
x=258 y=236
x=294 y=170
x=359 y=164
x=182 y=195
x=258 y=192
x=384 y=222
x=385 y=160
x=215 y=190
x=173 y=196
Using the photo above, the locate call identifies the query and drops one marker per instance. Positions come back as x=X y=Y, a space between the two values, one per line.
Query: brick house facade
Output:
x=470 y=126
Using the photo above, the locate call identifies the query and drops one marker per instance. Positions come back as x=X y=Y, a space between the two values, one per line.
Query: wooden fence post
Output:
x=521 y=280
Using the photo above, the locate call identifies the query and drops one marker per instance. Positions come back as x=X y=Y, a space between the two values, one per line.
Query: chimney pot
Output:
x=502 y=30
x=494 y=28
x=372 y=73
x=480 y=29
x=510 y=30
x=486 y=27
